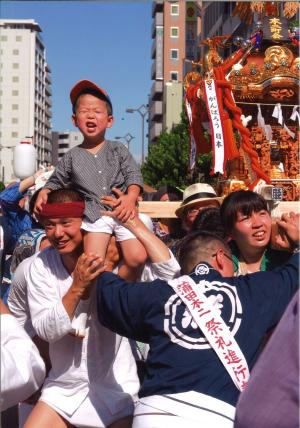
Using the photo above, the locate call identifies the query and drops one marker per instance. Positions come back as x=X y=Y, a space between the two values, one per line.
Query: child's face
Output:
x=91 y=117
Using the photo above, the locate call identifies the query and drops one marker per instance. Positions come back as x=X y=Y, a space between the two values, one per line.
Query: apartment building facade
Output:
x=175 y=34
x=63 y=142
x=178 y=28
x=25 y=92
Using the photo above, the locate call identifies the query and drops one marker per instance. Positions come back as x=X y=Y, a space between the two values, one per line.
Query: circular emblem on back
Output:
x=201 y=269
x=179 y=323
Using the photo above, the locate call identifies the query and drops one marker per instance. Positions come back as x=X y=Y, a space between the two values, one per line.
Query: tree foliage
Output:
x=168 y=160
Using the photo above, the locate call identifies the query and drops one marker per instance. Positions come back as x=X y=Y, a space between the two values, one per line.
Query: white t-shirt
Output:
x=22 y=368
x=17 y=298
x=101 y=363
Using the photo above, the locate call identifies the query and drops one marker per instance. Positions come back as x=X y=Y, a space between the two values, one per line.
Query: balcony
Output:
x=157 y=21
x=48 y=102
x=155 y=131
x=48 y=112
x=48 y=78
x=153 y=70
x=157 y=6
x=153 y=49
x=48 y=90
x=156 y=110
x=156 y=90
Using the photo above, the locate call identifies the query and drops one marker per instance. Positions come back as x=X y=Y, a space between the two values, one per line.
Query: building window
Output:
x=174 y=9
x=15 y=107
x=174 y=75
x=14 y=120
x=3 y=38
x=15 y=65
x=174 y=32
x=15 y=51
x=174 y=53
x=18 y=38
x=14 y=134
x=14 y=93
x=15 y=79
x=63 y=136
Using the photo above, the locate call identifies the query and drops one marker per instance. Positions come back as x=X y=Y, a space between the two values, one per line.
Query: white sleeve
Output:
x=17 y=299
x=169 y=269
x=48 y=315
x=22 y=368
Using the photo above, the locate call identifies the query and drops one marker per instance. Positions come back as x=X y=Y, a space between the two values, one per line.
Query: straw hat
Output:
x=197 y=192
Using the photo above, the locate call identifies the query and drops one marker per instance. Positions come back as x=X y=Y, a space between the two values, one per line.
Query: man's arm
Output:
x=17 y=299
x=288 y=235
x=157 y=251
x=28 y=182
x=52 y=314
x=88 y=267
x=124 y=307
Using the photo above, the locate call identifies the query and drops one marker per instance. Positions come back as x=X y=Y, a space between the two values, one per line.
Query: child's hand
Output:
x=124 y=207
x=40 y=201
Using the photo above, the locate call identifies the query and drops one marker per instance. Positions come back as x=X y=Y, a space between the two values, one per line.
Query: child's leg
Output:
x=134 y=258
x=96 y=242
x=44 y=416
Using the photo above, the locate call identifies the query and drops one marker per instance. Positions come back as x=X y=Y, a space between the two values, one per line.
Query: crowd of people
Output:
x=111 y=319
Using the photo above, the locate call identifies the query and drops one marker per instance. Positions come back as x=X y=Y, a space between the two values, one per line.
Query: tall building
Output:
x=178 y=28
x=25 y=92
x=175 y=34
x=217 y=20
x=63 y=142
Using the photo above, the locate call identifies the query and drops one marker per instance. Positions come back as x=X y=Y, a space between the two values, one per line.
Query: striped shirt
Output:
x=94 y=175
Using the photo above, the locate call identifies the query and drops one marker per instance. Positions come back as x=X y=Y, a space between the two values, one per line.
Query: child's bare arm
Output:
x=41 y=199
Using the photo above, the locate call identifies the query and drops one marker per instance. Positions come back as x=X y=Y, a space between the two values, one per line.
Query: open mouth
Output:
x=259 y=235
x=61 y=244
x=90 y=125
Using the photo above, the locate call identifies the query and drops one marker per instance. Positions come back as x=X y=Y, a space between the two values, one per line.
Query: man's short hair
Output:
x=199 y=247
x=64 y=195
x=243 y=201
x=209 y=220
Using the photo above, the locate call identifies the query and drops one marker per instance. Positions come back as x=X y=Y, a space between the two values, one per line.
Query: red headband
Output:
x=63 y=209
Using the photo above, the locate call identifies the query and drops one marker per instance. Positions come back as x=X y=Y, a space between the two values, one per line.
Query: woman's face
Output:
x=191 y=212
x=253 y=230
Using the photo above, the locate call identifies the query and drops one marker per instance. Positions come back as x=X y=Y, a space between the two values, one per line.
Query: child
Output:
x=94 y=168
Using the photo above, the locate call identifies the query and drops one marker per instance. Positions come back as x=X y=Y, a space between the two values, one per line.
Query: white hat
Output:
x=197 y=192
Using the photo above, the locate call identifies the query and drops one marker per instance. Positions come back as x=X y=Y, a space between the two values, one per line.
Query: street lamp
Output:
x=142 y=110
x=128 y=137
